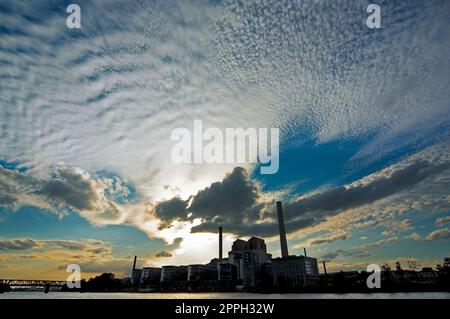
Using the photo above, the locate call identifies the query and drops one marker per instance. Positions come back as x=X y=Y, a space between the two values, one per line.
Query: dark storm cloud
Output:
x=333 y=200
x=252 y=228
x=227 y=202
x=170 y=210
x=306 y=211
x=227 y=199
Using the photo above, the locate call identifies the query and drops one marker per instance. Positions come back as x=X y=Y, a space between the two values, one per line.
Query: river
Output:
x=238 y=295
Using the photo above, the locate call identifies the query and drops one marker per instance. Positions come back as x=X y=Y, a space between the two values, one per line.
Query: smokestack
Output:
x=283 y=242
x=325 y=268
x=220 y=243
x=134 y=263
x=304 y=249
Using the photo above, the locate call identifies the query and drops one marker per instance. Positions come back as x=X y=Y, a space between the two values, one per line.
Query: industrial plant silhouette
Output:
x=249 y=267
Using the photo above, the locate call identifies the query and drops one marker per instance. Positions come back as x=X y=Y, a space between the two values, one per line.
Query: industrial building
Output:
x=135 y=273
x=295 y=271
x=248 y=258
x=202 y=272
x=247 y=266
x=174 y=273
x=290 y=270
x=150 y=275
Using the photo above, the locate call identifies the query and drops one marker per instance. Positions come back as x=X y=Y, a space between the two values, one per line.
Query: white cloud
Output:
x=441 y=221
x=324 y=240
x=439 y=234
x=415 y=236
x=378 y=243
x=108 y=99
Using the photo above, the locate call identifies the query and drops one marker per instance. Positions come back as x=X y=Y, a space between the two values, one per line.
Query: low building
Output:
x=227 y=271
x=136 y=276
x=150 y=275
x=202 y=272
x=295 y=271
x=174 y=273
x=427 y=276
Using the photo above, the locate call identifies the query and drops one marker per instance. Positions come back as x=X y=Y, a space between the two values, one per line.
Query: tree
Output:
x=412 y=264
x=104 y=282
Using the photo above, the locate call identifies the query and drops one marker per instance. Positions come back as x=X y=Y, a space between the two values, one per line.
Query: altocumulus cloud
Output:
x=439 y=234
x=136 y=71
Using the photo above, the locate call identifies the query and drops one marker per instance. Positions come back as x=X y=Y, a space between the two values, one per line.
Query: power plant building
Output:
x=248 y=266
x=248 y=258
x=295 y=271
x=150 y=275
x=202 y=272
x=174 y=273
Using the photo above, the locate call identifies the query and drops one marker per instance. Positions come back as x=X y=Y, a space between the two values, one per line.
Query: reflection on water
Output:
x=123 y=295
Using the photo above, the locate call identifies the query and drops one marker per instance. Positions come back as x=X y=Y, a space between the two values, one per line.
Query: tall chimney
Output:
x=304 y=249
x=283 y=242
x=325 y=268
x=134 y=263
x=220 y=243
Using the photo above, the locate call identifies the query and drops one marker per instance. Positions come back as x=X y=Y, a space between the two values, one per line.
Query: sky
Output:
x=86 y=117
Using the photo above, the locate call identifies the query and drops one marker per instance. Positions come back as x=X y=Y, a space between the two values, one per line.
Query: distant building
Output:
x=202 y=272
x=427 y=276
x=150 y=275
x=136 y=276
x=295 y=271
x=248 y=257
x=447 y=262
x=125 y=281
x=404 y=276
x=227 y=271
x=174 y=273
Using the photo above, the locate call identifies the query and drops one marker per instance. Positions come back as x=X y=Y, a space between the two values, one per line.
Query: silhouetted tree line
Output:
x=4 y=288
x=105 y=282
x=392 y=280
